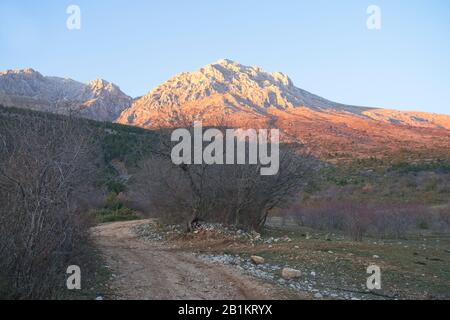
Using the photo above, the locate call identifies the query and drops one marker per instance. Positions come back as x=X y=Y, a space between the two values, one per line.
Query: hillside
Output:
x=228 y=93
x=243 y=96
x=27 y=88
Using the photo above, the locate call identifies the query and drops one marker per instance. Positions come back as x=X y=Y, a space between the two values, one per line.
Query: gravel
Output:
x=308 y=282
x=272 y=273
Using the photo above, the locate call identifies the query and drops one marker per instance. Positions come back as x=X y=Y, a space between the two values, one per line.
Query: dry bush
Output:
x=442 y=218
x=396 y=221
x=46 y=171
x=376 y=220
x=233 y=194
x=357 y=219
x=350 y=217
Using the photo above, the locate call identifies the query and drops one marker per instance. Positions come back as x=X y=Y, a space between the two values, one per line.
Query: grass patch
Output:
x=109 y=215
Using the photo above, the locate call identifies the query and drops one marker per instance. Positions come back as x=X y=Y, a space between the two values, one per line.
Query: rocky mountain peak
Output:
x=100 y=85
x=230 y=70
x=26 y=72
x=27 y=88
x=240 y=87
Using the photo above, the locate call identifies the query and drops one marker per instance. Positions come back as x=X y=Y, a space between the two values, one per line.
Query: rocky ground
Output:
x=316 y=265
x=304 y=282
x=151 y=270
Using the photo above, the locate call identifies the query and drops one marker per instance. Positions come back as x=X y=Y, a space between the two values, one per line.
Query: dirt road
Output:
x=151 y=271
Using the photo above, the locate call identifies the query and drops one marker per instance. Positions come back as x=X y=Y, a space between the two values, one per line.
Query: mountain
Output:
x=228 y=93
x=239 y=95
x=27 y=88
x=230 y=87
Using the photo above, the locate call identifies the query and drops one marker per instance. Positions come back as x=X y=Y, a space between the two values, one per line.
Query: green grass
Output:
x=108 y=215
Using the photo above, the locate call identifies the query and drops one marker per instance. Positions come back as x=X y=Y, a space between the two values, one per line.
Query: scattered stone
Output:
x=376 y=257
x=257 y=260
x=289 y=273
x=256 y=236
x=148 y=232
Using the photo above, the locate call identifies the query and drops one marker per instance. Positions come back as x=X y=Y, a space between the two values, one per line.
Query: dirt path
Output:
x=149 y=271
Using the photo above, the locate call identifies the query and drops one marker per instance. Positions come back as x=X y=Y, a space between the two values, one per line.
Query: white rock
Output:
x=257 y=260
x=289 y=273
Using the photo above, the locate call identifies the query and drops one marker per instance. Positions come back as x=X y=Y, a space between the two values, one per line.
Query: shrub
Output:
x=108 y=215
x=115 y=186
x=377 y=220
x=113 y=202
x=47 y=167
x=236 y=195
x=352 y=218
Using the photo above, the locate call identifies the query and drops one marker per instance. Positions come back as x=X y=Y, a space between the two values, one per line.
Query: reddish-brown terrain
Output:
x=229 y=93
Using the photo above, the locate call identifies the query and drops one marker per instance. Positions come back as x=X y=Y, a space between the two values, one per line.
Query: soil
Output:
x=152 y=271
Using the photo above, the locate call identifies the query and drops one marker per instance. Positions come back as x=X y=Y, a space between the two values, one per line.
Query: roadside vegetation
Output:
x=51 y=172
x=46 y=183
x=59 y=176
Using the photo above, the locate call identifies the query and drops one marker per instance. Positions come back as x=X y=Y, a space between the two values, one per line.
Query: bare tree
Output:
x=47 y=165
x=235 y=194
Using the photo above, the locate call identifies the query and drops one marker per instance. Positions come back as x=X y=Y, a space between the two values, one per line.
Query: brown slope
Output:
x=244 y=96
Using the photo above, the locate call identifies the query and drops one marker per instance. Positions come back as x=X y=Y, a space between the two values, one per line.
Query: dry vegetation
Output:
x=380 y=221
x=46 y=174
x=59 y=174
x=236 y=195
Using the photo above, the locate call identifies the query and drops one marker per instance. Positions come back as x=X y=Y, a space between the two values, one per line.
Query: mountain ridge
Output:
x=97 y=100
x=245 y=88
x=241 y=96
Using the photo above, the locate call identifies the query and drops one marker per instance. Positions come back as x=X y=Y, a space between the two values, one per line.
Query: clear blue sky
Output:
x=324 y=46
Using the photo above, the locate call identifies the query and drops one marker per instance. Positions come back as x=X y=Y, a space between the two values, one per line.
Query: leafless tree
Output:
x=234 y=194
x=47 y=166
